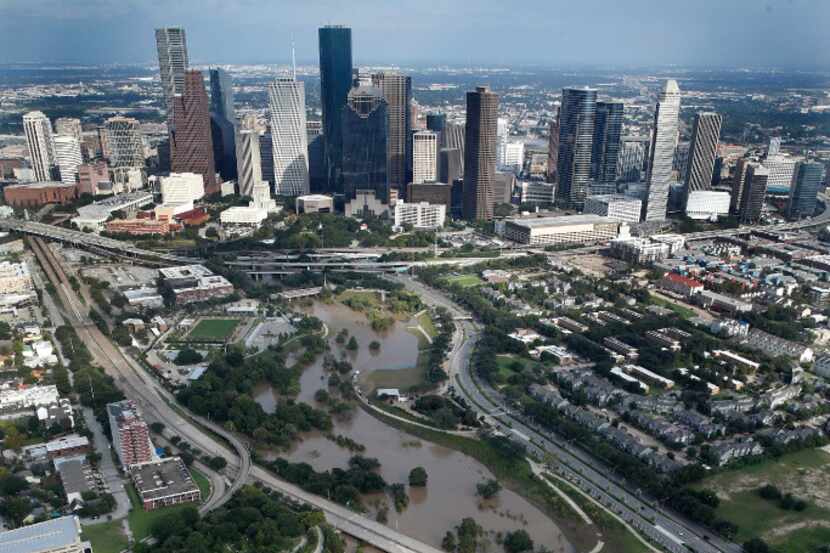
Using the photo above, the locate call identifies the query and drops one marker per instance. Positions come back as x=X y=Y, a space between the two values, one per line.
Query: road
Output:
x=158 y=405
x=108 y=470
x=572 y=463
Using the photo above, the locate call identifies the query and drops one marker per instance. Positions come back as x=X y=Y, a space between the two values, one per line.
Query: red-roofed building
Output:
x=193 y=218
x=680 y=285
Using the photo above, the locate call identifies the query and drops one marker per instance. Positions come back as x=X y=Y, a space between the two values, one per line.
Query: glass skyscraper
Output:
x=663 y=144
x=480 y=154
x=365 y=131
x=607 y=137
x=335 y=83
x=804 y=189
x=577 y=115
x=702 y=152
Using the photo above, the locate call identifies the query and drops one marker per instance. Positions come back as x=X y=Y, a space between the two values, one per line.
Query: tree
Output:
x=374 y=345
x=217 y=463
x=448 y=543
x=488 y=489
x=157 y=427
x=352 y=345
x=418 y=477
x=188 y=356
x=5 y=331
x=518 y=541
x=756 y=545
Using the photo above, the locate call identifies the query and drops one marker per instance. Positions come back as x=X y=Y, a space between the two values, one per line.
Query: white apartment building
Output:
x=286 y=100
x=68 y=157
x=14 y=278
x=707 y=204
x=424 y=157
x=514 y=155
x=615 y=206
x=421 y=215
x=180 y=188
x=639 y=250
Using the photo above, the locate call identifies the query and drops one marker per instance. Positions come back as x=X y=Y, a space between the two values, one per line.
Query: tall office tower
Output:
x=222 y=121
x=702 y=151
x=361 y=77
x=365 y=125
x=480 y=143
x=126 y=146
x=130 y=434
x=221 y=94
x=453 y=138
x=607 y=138
x=663 y=143
x=69 y=126
x=397 y=91
x=436 y=122
x=738 y=186
x=335 y=83
x=450 y=165
x=191 y=144
x=172 y=50
x=755 y=190
x=553 y=148
x=68 y=157
x=774 y=147
x=286 y=101
x=248 y=156
x=103 y=140
x=316 y=156
x=804 y=189
x=781 y=169
x=680 y=161
x=632 y=158
x=39 y=141
x=424 y=157
x=501 y=139
x=266 y=156
x=577 y=115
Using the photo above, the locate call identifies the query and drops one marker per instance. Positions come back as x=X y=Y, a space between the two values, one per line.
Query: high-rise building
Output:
x=480 y=143
x=577 y=116
x=335 y=83
x=781 y=169
x=248 y=166
x=94 y=178
x=286 y=101
x=632 y=159
x=39 y=141
x=222 y=120
x=450 y=165
x=436 y=122
x=365 y=125
x=680 y=161
x=103 y=140
x=191 y=144
x=754 y=192
x=738 y=186
x=514 y=156
x=663 y=143
x=553 y=148
x=126 y=146
x=70 y=126
x=607 y=138
x=172 y=51
x=68 y=157
x=130 y=434
x=316 y=156
x=266 y=156
x=702 y=152
x=804 y=189
x=774 y=146
x=424 y=157
x=397 y=91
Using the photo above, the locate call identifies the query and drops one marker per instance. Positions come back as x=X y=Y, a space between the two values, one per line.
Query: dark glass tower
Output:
x=576 y=136
x=335 y=82
x=191 y=144
x=221 y=94
x=365 y=131
x=397 y=91
x=480 y=154
x=804 y=189
x=702 y=152
x=607 y=138
x=316 y=162
x=222 y=119
x=436 y=122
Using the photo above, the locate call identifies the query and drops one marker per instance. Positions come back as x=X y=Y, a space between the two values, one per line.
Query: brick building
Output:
x=130 y=434
x=37 y=194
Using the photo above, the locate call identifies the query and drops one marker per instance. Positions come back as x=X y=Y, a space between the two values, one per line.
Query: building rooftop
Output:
x=185 y=271
x=41 y=184
x=536 y=222
x=50 y=535
x=66 y=442
x=159 y=479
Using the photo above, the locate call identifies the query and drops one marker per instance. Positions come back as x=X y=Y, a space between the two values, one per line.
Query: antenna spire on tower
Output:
x=293 y=61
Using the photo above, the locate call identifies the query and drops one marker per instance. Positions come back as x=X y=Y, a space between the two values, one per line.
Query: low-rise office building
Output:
x=195 y=283
x=615 y=206
x=37 y=194
x=164 y=482
x=314 y=203
x=421 y=215
x=59 y=535
x=564 y=230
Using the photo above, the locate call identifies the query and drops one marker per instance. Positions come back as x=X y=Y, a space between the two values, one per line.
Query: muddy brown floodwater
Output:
x=450 y=492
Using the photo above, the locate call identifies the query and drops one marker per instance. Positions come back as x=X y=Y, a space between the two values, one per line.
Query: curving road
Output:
x=579 y=467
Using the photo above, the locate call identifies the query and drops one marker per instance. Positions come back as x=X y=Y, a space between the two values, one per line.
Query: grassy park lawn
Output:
x=804 y=474
x=506 y=366
x=426 y=323
x=106 y=537
x=465 y=281
x=213 y=330
x=202 y=481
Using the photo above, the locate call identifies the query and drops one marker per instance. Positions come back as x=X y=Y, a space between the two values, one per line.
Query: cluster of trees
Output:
x=344 y=486
x=224 y=395
x=466 y=538
x=488 y=489
x=700 y=506
x=441 y=344
x=786 y=501
x=443 y=412
x=253 y=520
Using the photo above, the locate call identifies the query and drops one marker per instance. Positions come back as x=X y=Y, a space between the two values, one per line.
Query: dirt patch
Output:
x=788 y=528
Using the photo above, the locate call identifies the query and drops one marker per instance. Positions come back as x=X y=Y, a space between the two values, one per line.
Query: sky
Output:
x=550 y=33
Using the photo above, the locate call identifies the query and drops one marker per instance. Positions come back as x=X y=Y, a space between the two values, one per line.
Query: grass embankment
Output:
x=106 y=537
x=202 y=482
x=465 y=281
x=141 y=521
x=514 y=474
x=804 y=474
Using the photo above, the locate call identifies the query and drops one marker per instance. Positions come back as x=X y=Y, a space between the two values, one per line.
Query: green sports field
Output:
x=213 y=330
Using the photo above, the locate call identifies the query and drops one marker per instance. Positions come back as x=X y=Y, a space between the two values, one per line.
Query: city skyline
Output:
x=688 y=34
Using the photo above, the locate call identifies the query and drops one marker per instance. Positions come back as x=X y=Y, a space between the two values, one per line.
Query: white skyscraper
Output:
x=424 y=157
x=248 y=157
x=774 y=146
x=126 y=147
x=68 y=157
x=288 y=135
x=501 y=139
x=69 y=126
x=514 y=155
x=172 y=50
x=663 y=144
x=38 y=131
